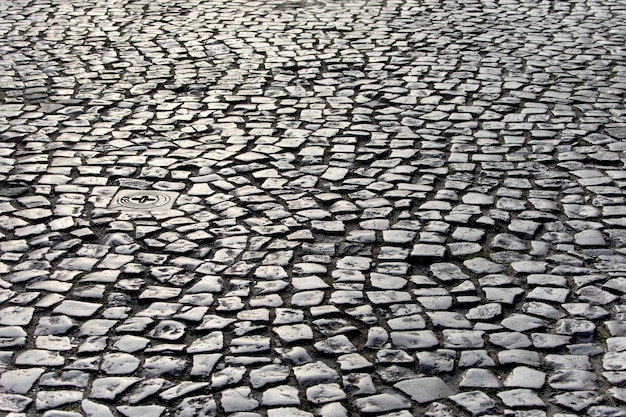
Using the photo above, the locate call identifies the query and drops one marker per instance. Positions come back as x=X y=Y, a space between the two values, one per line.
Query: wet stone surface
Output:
x=300 y=208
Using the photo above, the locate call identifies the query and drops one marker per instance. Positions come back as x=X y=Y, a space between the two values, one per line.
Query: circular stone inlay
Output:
x=143 y=200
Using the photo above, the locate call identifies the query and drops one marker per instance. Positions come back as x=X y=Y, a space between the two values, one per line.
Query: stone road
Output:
x=312 y=208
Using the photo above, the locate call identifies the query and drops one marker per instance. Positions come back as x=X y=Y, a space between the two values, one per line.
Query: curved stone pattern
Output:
x=312 y=208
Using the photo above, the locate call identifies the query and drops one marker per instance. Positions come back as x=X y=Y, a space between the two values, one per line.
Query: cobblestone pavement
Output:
x=305 y=208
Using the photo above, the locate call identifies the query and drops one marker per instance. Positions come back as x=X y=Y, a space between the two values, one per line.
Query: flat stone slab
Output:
x=425 y=390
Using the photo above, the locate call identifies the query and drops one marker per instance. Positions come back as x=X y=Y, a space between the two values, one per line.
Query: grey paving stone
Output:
x=577 y=400
x=484 y=312
x=335 y=345
x=425 y=390
x=616 y=344
x=479 y=358
x=119 y=363
x=381 y=403
x=523 y=322
x=440 y=361
x=510 y=340
x=20 y=381
x=14 y=403
x=287 y=411
x=40 y=357
x=449 y=320
x=525 y=377
x=203 y=364
x=197 y=404
x=419 y=339
x=483 y=266
x=146 y=410
x=428 y=251
x=479 y=378
x=282 y=395
x=463 y=339
x=521 y=398
x=325 y=393
x=475 y=402
x=542 y=309
x=109 y=388
x=448 y=272
x=611 y=361
x=575 y=327
x=47 y=400
x=519 y=357
x=314 y=373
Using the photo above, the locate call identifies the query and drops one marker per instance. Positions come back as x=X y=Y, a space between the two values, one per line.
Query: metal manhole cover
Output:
x=147 y=200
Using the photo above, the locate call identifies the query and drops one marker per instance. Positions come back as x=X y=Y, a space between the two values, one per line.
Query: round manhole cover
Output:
x=144 y=200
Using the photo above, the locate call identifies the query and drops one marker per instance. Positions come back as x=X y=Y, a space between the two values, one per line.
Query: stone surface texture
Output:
x=312 y=208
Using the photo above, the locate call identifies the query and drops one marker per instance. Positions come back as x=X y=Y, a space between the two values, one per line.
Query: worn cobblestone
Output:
x=312 y=208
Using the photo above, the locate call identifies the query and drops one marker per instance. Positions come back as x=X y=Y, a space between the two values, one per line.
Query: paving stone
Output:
x=448 y=272
x=93 y=408
x=484 y=312
x=387 y=297
x=109 y=388
x=182 y=389
x=381 y=403
x=14 y=403
x=335 y=345
x=394 y=356
x=575 y=327
x=521 y=398
x=228 y=376
x=145 y=410
x=483 y=266
x=146 y=388
x=412 y=322
x=325 y=393
x=197 y=405
x=449 y=320
x=16 y=316
x=314 y=373
x=268 y=374
x=440 y=361
x=353 y=362
x=282 y=395
x=525 y=377
x=428 y=251
x=549 y=294
x=463 y=339
x=286 y=412
x=20 y=381
x=470 y=358
x=47 y=400
x=611 y=361
x=163 y=365
x=519 y=357
x=522 y=322
x=119 y=363
x=475 y=402
x=479 y=378
x=39 y=357
x=203 y=364
x=425 y=390
x=510 y=340
x=577 y=400
x=595 y=295
x=420 y=339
